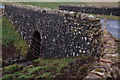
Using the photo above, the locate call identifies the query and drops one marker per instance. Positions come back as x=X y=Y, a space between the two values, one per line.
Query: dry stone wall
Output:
x=106 y=67
x=92 y=9
x=62 y=33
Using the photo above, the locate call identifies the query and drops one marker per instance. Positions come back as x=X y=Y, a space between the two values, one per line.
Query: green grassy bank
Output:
x=9 y=35
x=49 y=69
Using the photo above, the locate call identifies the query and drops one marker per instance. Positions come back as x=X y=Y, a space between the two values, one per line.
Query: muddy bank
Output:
x=8 y=52
x=11 y=55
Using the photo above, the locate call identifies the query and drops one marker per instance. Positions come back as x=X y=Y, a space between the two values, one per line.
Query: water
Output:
x=113 y=27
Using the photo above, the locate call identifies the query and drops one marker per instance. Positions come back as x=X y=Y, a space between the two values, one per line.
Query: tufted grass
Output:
x=9 y=34
x=47 y=68
x=57 y=63
x=12 y=68
x=44 y=68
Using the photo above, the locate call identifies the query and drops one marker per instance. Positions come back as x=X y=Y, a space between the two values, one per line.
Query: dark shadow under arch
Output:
x=35 y=47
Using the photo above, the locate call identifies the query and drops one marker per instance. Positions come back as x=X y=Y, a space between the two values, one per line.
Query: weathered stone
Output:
x=84 y=16
x=72 y=30
x=78 y=15
x=108 y=56
x=98 y=73
x=73 y=14
x=92 y=76
x=91 y=18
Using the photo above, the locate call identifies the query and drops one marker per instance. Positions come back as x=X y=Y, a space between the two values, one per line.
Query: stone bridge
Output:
x=54 y=33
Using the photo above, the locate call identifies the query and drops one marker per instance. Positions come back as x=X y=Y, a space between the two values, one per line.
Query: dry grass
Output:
x=111 y=17
x=108 y=4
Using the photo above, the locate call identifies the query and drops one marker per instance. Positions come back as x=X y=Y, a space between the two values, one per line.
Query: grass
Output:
x=106 y=4
x=44 y=68
x=111 y=17
x=12 y=68
x=9 y=34
x=57 y=63
x=47 y=68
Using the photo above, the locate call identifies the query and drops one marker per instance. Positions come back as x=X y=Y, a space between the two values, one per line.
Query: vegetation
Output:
x=47 y=68
x=43 y=68
x=111 y=17
x=9 y=35
x=12 y=68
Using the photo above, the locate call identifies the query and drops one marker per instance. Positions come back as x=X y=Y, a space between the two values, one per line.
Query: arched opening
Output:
x=35 y=47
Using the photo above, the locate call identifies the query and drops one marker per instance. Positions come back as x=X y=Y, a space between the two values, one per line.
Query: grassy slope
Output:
x=41 y=68
x=47 y=68
x=9 y=34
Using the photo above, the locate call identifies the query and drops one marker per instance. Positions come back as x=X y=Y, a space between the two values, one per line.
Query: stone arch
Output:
x=35 y=47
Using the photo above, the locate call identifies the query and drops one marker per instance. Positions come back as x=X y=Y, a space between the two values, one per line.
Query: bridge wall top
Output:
x=91 y=9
